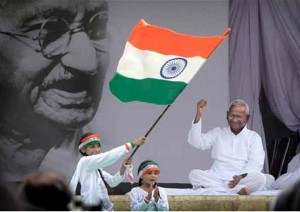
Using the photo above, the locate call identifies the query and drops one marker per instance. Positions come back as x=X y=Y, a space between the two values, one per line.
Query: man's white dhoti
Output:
x=254 y=181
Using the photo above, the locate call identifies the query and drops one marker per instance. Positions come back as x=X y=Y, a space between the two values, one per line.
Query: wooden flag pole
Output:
x=153 y=125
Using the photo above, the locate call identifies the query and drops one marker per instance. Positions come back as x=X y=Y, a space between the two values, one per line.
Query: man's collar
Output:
x=239 y=133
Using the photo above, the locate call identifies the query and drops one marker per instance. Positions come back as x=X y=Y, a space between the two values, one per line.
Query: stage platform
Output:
x=206 y=202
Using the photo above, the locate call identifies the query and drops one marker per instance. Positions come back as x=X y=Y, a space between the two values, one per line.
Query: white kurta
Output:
x=137 y=203
x=232 y=154
x=93 y=190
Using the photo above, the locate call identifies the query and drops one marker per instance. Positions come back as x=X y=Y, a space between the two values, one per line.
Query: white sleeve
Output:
x=137 y=202
x=113 y=180
x=201 y=140
x=102 y=160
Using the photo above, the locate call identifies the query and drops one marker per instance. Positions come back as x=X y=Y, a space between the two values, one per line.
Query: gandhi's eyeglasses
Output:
x=58 y=31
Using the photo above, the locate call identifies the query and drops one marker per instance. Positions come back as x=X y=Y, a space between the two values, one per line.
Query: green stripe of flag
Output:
x=150 y=90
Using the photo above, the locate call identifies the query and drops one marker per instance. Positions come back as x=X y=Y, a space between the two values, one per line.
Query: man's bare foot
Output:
x=244 y=191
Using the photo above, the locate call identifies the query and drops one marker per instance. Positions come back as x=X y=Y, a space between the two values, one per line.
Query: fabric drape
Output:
x=264 y=51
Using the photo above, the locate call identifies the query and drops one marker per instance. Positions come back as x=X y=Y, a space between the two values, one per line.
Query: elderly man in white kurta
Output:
x=237 y=153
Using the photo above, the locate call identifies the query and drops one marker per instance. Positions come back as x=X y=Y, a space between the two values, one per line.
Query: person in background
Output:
x=148 y=196
x=89 y=173
x=54 y=56
x=47 y=191
x=292 y=174
x=237 y=152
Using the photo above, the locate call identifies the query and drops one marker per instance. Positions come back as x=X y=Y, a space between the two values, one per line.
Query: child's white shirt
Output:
x=93 y=188
x=138 y=203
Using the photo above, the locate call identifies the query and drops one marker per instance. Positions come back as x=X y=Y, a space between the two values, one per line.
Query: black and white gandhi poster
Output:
x=56 y=59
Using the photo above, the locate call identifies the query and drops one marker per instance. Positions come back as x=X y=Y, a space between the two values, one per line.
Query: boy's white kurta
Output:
x=93 y=190
x=137 y=202
x=232 y=155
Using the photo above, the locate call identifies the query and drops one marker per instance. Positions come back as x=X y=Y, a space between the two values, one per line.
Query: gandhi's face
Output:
x=53 y=57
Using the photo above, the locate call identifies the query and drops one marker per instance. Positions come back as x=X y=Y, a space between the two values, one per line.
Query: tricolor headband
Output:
x=91 y=139
x=150 y=166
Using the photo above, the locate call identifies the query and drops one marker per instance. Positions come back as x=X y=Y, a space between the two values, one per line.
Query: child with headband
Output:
x=148 y=196
x=93 y=180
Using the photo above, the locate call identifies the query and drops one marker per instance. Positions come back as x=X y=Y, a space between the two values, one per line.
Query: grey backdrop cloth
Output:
x=264 y=51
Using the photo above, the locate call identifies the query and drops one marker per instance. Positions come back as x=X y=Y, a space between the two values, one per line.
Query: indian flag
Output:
x=158 y=63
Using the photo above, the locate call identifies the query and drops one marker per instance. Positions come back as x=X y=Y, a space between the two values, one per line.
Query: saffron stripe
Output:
x=165 y=41
x=95 y=136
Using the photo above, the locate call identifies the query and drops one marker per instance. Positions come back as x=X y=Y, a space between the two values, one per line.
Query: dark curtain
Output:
x=264 y=51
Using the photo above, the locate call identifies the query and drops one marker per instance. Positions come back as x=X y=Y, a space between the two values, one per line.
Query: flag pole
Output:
x=153 y=125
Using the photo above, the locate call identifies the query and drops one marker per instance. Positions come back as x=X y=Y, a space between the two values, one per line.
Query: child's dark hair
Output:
x=142 y=165
x=82 y=137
